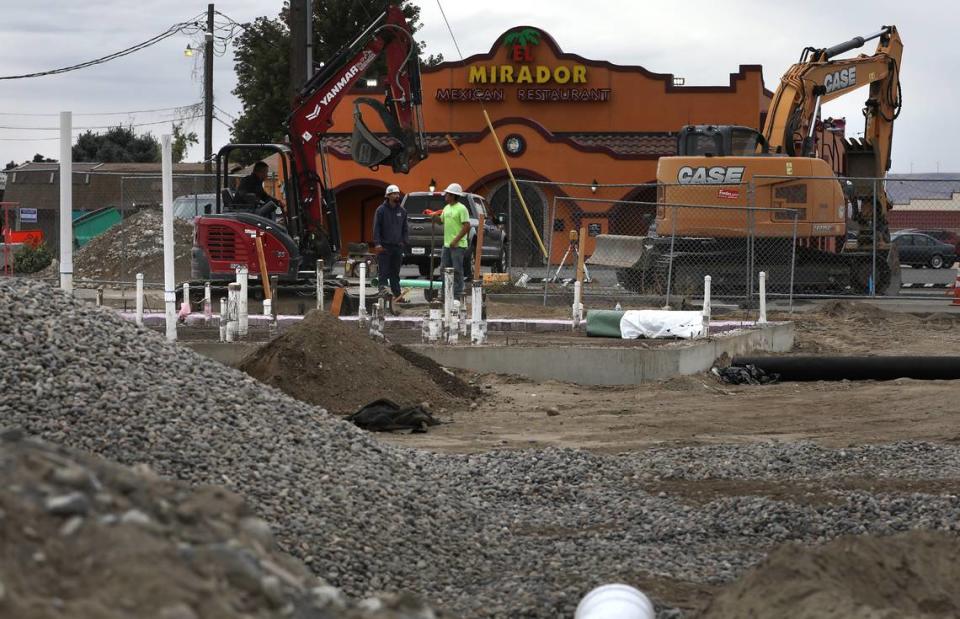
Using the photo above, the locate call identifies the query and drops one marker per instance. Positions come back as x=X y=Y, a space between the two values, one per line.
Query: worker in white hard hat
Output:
x=456 y=228
x=390 y=236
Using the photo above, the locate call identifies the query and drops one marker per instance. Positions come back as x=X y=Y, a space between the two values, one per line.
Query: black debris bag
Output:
x=746 y=375
x=387 y=416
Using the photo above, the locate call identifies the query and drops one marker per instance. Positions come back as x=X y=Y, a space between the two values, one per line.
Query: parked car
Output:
x=421 y=229
x=944 y=236
x=922 y=250
x=194 y=205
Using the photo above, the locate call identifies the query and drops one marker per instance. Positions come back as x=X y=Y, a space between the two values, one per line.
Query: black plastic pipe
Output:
x=804 y=368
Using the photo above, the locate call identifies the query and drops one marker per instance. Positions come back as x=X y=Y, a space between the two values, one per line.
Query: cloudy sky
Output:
x=702 y=41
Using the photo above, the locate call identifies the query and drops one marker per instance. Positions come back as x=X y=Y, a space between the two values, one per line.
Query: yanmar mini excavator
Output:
x=798 y=207
x=308 y=228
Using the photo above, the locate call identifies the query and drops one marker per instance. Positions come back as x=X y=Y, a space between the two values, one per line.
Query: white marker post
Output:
x=66 y=202
x=186 y=299
x=223 y=319
x=320 y=266
x=707 y=309
x=763 y=298
x=207 y=302
x=362 y=310
x=243 y=323
x=139 y=299
x=169 y=285
x=478 y=325
x=577 y=304
x=447 y=299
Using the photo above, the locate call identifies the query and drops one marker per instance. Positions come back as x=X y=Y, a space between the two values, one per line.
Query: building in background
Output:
x=560 y=118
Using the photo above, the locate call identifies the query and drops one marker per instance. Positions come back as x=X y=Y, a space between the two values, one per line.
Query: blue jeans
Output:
x=453 y=257
x=389 y=263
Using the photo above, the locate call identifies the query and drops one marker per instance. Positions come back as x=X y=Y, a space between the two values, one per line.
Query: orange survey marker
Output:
x=956 y=289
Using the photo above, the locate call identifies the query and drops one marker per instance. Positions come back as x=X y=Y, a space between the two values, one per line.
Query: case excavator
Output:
x=306 y=226
x=733 y=193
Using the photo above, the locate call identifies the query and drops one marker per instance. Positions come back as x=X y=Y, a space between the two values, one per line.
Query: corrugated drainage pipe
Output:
x=813 y=367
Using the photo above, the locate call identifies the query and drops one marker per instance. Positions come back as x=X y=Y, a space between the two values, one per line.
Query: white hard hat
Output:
x=391 y=189
x=454 y=188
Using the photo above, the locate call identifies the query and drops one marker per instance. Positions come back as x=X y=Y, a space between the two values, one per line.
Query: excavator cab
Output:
x=719 y=141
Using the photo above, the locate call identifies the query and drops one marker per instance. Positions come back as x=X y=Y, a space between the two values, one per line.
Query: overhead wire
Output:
x=127 y=113
x=86 y=128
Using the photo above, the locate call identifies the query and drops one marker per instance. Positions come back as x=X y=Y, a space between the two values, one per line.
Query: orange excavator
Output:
x=307 y=227
x=735 y=196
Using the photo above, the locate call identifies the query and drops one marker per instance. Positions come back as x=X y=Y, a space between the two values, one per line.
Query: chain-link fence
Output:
x=812 y=237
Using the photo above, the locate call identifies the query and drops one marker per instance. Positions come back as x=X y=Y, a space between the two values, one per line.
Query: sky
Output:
x=701 y=41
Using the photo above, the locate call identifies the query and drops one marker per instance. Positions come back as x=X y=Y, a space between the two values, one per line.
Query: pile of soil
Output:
x=334 y=364
x=133 y=246
x=909 y=575
x=84 y=537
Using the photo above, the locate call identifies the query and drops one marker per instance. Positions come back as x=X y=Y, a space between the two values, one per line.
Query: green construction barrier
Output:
x=604 y=323
x=91 y=225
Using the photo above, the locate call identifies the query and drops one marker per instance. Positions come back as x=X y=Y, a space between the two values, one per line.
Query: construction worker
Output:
x=251 y=192
x=390 y=236
x=456 y=227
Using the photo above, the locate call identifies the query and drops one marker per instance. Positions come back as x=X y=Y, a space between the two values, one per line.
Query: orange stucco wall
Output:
x=638 y=101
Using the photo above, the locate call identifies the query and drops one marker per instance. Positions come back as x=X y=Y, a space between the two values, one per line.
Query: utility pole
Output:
x=298 y=42
x=308 y=13
x=208 y=93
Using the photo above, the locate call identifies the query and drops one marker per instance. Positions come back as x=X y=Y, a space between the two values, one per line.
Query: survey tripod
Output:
x=572 y=248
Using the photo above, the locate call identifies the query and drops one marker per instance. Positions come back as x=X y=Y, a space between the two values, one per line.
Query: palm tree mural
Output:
x=523 y=37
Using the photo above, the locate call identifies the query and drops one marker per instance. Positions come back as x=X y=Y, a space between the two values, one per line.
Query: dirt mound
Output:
x=909 y=575
x=854 y=310
x=84 y=537
x=133 y=246
x=334 y=364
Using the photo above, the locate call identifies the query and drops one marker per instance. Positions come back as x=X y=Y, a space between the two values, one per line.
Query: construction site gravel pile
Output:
x=497 y=534
x=133 y=246
x=84 y=537
x=325 y=361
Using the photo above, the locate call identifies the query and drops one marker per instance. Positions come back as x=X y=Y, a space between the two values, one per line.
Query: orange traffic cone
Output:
x=956 y=289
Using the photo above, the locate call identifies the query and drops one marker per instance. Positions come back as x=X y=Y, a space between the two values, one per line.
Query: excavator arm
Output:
x=388 y=35
x=819 y=78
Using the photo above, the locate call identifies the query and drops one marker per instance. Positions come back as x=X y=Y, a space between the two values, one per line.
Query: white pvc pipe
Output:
x=139 y=300
x=478 y=326
x=763 y=298
x=320 y=285
x=362 y=310
x=66 y=202
x=447 y=297
x=243 y=322
x=577 y=304
x=207 y=302
x=453 y=327
x=185 y=306
x=169 y=286
x=223 y=319
x=707 y=308
x=267 y=309
x=233 y=308
x=462 y=317
x=615 y=601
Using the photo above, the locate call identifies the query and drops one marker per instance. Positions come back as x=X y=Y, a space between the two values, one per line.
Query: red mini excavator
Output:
x=307 y=228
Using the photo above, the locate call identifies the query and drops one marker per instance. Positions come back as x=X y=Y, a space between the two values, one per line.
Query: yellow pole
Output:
x=526 y=211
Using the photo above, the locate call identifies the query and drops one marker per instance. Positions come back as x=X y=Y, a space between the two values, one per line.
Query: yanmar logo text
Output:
x=352 y=72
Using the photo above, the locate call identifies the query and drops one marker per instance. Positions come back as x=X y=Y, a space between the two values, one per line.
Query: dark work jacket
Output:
x=253 y=185
x=390 y=225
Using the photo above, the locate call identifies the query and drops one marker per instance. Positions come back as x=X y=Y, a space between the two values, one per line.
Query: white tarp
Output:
x=660 y=323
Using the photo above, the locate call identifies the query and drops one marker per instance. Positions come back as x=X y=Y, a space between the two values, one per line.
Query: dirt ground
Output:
x=693 y=410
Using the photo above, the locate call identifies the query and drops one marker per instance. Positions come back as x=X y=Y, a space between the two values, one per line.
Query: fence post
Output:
x=793 y=256
x=873 y=277
x=751 y=204
x=707 y=308
x=673 y=240
x=320 y=285
x=66 y=202
x=548 y=229
x=139 y=300
x=763 y=297
x=243 y=281
x=169 y=286
x=510 y=238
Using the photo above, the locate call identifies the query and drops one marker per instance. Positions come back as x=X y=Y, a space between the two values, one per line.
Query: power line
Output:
x=159 y=109
x=219 y=120
x=156 y=122
x=169 y=32
x=450 y=30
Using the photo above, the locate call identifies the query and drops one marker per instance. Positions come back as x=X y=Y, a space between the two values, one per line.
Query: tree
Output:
x=262 y=60
x=10 y=165
x=117 y=145
x=38 y=158
x=181 y=142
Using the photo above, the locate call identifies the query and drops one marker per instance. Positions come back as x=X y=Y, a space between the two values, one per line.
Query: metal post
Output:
x=447 y=297
x=362 y=310
x=169 y=286
x=223 y=319
x=320 y=285
x=673 y=239
x=139 y=301
x=66 y=202
x=873 y=286
x=510 y=239
x=243 y=280
x=308 y=14
x=208 y=94
x=763 y=298
x=233 y=306
x=548 y=230
x=793 y=256
x=707 y=308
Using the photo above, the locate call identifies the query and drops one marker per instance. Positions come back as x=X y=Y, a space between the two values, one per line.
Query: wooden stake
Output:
x=264 y=276
x=337 y=302
x=580 y=248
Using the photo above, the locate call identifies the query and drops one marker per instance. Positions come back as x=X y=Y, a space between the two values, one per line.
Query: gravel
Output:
x=499 y=534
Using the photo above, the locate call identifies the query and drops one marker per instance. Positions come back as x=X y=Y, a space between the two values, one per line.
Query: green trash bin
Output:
x=90 y=225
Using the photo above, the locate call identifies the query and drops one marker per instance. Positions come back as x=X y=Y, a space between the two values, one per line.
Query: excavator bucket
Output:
x=368 y=149
x=617 y=250
x=365 y=147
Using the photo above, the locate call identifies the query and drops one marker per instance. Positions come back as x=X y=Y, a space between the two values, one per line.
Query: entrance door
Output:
x=503 y=202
